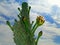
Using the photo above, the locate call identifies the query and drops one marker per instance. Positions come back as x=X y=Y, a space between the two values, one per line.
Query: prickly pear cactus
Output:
x=23 y=30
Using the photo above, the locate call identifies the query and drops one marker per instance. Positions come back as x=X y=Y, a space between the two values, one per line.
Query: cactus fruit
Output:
x=23 y=31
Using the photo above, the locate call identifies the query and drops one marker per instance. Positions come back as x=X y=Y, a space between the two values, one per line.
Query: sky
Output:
x=49 y=9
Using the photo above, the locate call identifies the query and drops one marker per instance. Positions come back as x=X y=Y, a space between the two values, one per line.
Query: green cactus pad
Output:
x=22 y=29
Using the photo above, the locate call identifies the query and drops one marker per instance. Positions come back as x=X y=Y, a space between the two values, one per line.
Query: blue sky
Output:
x=49 y=9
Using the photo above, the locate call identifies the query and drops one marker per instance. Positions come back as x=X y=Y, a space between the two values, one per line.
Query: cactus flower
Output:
x=39 y=20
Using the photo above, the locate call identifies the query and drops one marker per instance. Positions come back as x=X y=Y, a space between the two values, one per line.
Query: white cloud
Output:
x=46 y=42
x=40 y=5
x=2 y=19
x=9 y=9
x=33 y=16
x=6 y=35
x=54 y=2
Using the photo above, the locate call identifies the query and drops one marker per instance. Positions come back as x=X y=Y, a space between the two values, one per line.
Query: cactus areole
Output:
x=23 y=31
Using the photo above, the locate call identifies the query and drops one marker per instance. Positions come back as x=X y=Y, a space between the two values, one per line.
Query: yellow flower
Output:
x=39 y=20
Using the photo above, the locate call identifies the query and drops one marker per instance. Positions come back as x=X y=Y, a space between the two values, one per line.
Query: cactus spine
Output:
x=23 y=31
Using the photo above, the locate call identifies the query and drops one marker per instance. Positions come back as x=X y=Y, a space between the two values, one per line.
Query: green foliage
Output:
x=23 y=30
